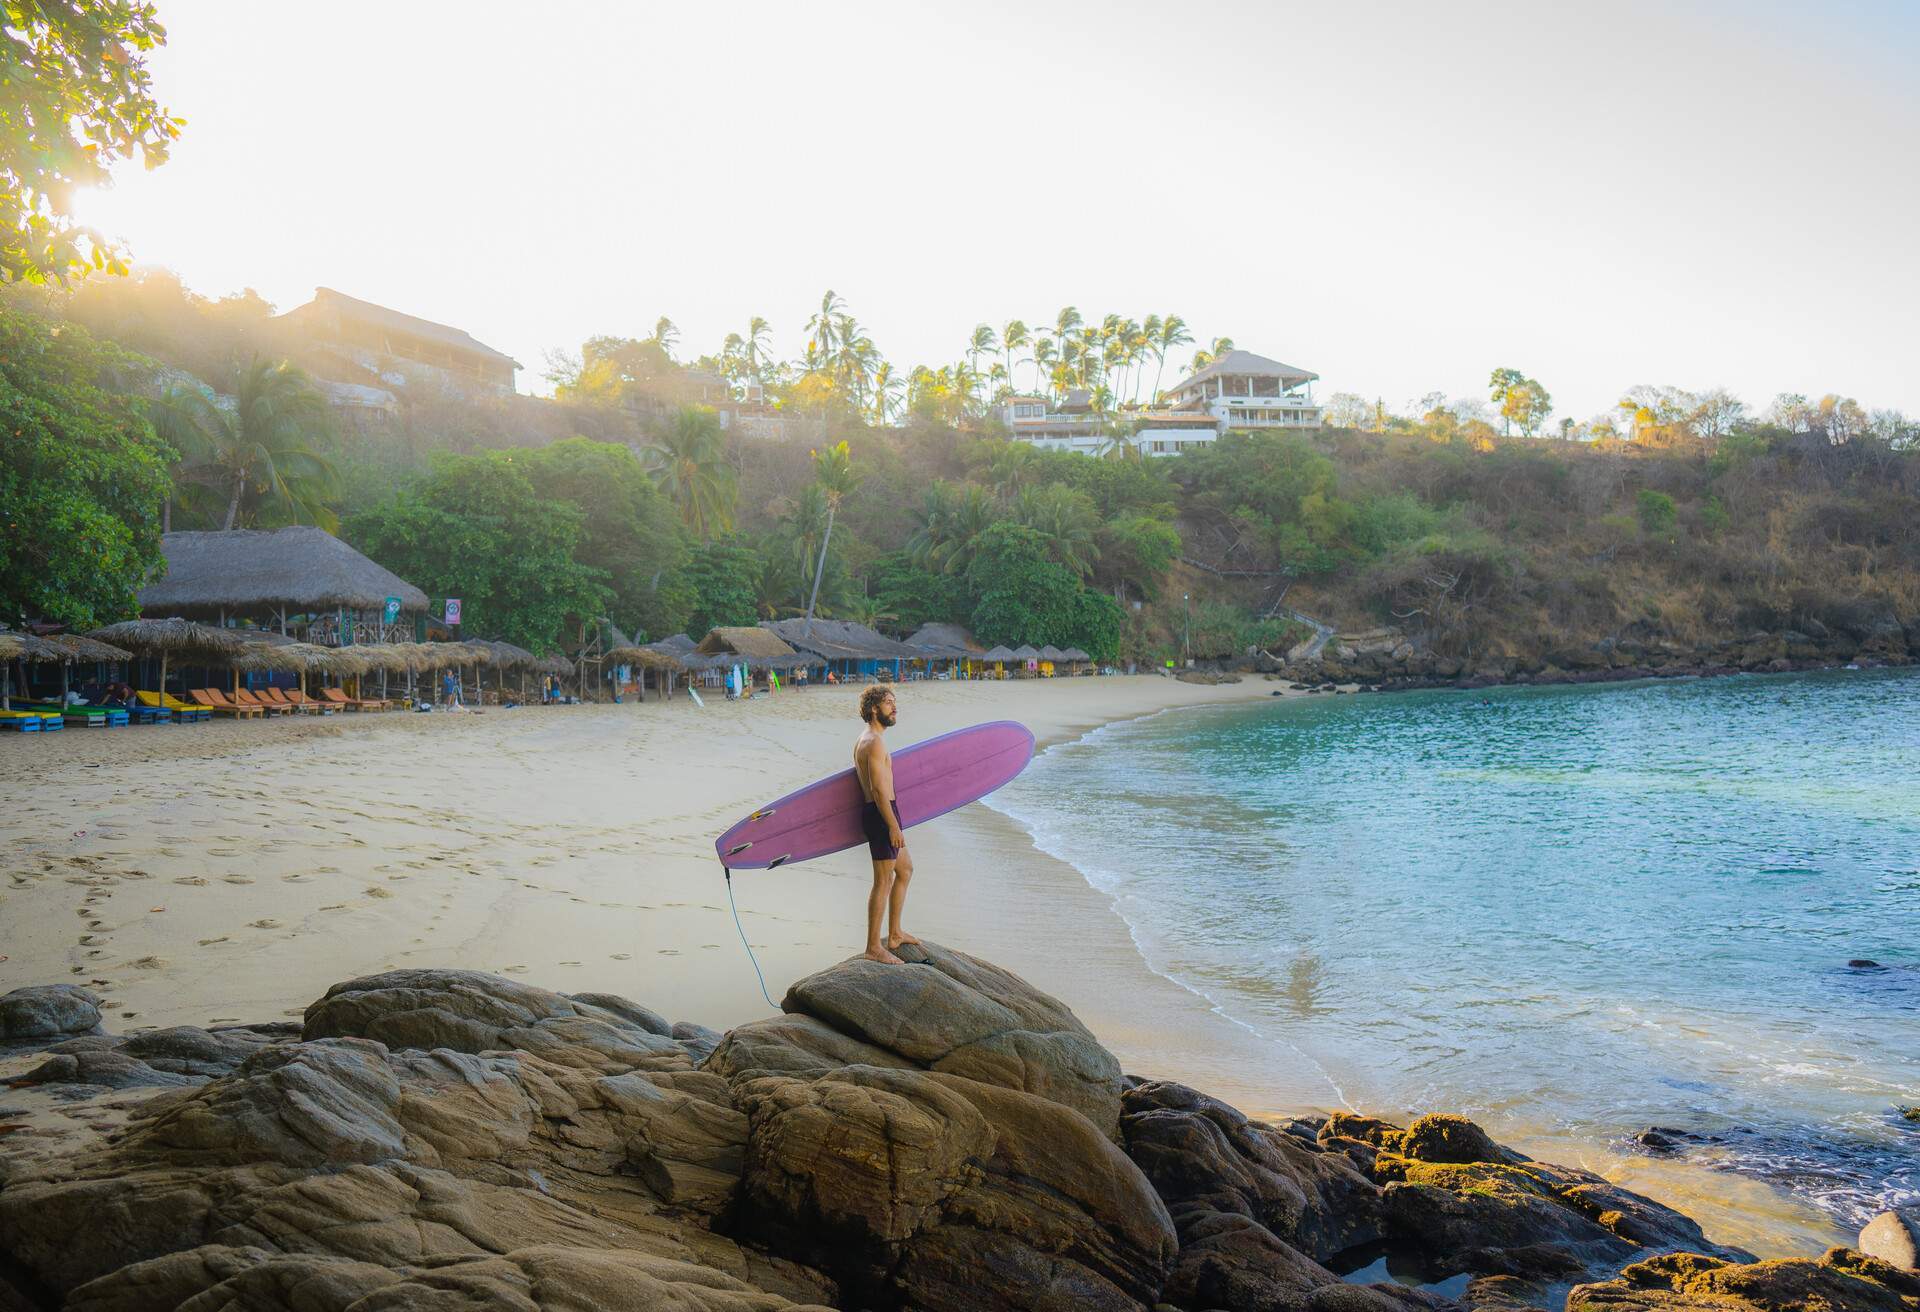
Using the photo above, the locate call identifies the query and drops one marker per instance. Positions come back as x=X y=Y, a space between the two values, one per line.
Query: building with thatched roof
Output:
x=945 y=642
x=745 y=643
x=847 y=648
x=393 y=345
x=1244 y=390
x=946 y=646
x=274 y=576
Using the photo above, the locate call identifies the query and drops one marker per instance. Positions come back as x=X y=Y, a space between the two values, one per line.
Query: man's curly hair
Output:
x=870 y=701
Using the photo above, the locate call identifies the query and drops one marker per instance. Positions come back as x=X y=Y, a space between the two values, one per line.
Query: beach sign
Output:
x=453 y=610
x=393 y=609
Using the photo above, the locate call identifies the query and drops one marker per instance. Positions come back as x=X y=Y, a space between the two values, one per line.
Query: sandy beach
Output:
x=233 y=871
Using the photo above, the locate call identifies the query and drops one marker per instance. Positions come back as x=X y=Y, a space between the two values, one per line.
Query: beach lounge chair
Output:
x=279 y=697
x=184 y=712
x=45 y=720
x=86 y=717
x=213 y=701
x=340 y=699
x=295 y=697
x=246 y=697
x=20 y=721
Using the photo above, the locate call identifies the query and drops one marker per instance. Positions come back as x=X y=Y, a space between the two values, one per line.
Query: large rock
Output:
x=1894 y=1237
x=331 y=1152
x=935 y=1191
x=177 y=1057
x=945 y=1011
x=576 y=1279
x=1204 y=1157
x=468 y=1011
x=1840 y=1280
x=42 y=1011
x=1468 y=1204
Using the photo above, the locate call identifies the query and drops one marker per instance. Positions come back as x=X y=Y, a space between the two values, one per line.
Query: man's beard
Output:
x=886 y=721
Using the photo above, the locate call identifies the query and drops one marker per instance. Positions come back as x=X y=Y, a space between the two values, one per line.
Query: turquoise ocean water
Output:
x=1587 y=909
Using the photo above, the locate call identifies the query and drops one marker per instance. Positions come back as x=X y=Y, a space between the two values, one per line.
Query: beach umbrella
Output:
x=167 y=638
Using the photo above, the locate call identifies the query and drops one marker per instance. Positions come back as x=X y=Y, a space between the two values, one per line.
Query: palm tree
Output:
x=932 y=524
x=1066 y=323
x=822 y=327
x=256 y=453
x=973 y=513
x=1065 y=519
x=665 y=334
x=1010 y=466
x=689 y=465
x=983 y=342
x=836 y=477
x=1172 y=332
x=754 y=348
x=1201 y=359
x=1044 y=355
x=1012 y=338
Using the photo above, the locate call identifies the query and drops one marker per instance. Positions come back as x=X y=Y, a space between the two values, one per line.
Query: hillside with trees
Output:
x=1481 y=534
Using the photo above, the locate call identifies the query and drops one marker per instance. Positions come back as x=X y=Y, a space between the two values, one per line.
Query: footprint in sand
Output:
x=623 y=956
x=295 y=879
x=335 y=906
x=516 y=970
x=268 y=923
x=209 y=942
x=193 y=880
x=237 y=879
x=149 y=963
x=669 y=952
x=94 y=940
x=569 y=963
x=374 y=890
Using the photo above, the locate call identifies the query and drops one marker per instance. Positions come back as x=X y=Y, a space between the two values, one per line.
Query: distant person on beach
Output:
x=450 y=691
x=880 y=818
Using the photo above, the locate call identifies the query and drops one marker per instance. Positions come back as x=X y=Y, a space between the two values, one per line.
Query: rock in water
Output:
x=1894 y=1237
x=1840 y=1280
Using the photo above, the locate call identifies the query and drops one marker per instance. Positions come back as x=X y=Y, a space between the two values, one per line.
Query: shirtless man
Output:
x=880 y=818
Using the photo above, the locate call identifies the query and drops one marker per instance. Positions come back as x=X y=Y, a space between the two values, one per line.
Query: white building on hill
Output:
x=1239 y=390
x=1244 y=390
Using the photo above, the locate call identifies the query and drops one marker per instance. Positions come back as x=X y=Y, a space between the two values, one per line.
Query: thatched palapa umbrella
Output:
x=62 y=650
x=170 y=637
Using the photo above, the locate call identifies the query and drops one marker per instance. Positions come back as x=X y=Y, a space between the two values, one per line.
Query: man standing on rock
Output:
x=880 y=819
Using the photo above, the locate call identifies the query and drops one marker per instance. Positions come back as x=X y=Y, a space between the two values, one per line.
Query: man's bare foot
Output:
x=896 y=939
x=883 y=956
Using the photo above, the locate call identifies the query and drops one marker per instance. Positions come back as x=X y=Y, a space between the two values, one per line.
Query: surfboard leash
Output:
x=727 y=870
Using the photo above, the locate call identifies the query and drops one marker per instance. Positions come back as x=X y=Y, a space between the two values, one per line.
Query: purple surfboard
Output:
x=930 y=779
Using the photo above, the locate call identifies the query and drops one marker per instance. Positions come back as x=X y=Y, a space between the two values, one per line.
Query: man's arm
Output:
x=883 y=793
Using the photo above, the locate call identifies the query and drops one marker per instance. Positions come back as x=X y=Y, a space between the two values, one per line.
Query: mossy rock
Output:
x=1442 y=1138
x=1840 y=1280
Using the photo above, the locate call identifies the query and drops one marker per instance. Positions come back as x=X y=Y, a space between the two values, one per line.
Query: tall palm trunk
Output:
x=233 y=502
x=820 y=567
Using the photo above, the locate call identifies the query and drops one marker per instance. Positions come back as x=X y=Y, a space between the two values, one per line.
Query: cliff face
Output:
x=934 y=1136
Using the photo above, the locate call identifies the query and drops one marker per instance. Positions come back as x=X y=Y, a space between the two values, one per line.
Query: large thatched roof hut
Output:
x=271 y=575
x=840 y=640
x=948 y=642
x=744 y=642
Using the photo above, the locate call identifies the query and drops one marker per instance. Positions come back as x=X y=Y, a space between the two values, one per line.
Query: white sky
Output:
x=1398 y=196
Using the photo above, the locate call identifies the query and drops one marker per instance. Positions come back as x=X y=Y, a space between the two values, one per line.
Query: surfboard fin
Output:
x=762 y=815
x=738 y=848
x=779 y=860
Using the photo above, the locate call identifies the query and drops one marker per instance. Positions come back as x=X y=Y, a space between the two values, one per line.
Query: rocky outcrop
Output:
x=935 y=1136
x=1841 y=1280
x=1812 y=634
